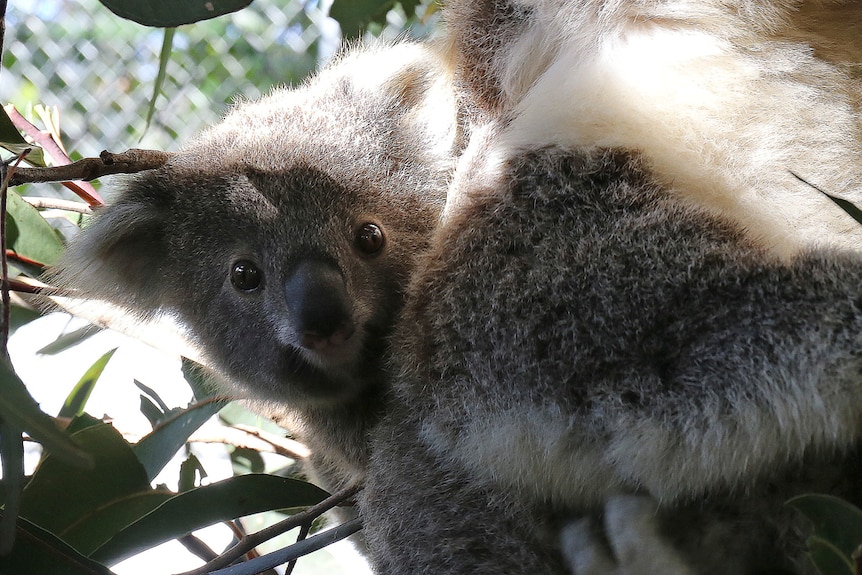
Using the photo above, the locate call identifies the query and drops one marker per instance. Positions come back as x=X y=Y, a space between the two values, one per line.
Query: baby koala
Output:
x=283 y=237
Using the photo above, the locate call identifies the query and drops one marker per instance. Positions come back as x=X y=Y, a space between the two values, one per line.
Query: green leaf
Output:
x=151 y=411
x=77 y=399
x=845 y=205
x=98 y=527
x=236 y=414
x=59 y=496
x=246 y=460
x=164 y=58
x=203 y=506
x=190 y=470
x=837 y=531
x=28 y=234
x=157 y=448
x=38 y=551
x=160 y=409
x=12 y=140
x=171 y=14
x=21 y=316
x=354 y=15
x=67 y=340
x=198 y=379
x=19 y=409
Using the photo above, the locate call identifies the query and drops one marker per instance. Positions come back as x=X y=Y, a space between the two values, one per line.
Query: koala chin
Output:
x=724 y=100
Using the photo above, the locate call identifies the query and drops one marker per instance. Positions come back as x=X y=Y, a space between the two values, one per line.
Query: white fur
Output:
x=577 y=461
x=721 y=103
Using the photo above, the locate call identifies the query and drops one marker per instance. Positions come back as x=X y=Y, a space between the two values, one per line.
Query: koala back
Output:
x=724 y=100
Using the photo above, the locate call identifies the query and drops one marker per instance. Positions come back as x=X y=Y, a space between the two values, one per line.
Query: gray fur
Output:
x=575 y=334
x=575 y=331
x=277 y=183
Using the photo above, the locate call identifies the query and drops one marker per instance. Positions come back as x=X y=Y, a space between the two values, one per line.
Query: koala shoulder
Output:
x=723 y=100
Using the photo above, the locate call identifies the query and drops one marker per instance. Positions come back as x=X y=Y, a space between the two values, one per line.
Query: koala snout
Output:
x=319 y=305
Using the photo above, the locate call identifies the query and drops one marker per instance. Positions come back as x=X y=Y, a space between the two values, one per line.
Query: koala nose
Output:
x=319 y=305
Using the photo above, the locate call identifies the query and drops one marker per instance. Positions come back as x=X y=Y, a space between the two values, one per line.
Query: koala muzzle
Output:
x=319 y=305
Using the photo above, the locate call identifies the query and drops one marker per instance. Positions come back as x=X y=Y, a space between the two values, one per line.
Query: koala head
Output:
x=283 y=237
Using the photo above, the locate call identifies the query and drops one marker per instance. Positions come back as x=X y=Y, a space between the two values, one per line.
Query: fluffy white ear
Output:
x=118 y=256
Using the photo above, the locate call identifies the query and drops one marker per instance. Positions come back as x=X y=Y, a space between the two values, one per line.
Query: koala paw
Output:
x=631 y=531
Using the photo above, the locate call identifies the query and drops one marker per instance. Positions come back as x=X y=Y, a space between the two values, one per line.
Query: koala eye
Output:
x=245 y=275
x=369 y=238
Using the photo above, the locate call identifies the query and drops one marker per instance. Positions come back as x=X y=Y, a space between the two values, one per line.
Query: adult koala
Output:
x=628 y=291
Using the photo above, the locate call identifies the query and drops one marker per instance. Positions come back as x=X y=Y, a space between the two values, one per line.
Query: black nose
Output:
x=319 y=304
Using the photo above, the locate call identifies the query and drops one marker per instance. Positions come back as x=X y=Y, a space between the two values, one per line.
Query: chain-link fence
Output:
x=99 y=70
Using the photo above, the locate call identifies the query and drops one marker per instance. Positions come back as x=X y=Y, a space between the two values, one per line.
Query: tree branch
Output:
x=251 y=541
x=56 y=204
x=128 y=162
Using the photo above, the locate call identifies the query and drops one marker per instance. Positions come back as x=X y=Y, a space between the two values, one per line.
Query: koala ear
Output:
x=118 y=257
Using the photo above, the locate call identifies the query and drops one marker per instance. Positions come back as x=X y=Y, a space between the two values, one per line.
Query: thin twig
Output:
x=303 y=533
x=280 y=445
x=57 y=204
x=8 y=173
x=2 y=26
x=13 y=255
x=128 y=162
x=291 y=552
x=46 y=141
x=251 y=541
x=197 y=547
x=25 y=285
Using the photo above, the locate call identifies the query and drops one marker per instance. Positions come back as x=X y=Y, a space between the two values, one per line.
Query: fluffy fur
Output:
x=286 y=184
x=578 y=334
x=724 y=99
x=587 y=322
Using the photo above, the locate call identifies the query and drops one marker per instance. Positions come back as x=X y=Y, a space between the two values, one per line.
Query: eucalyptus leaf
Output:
x=157 y=448
x=161 y=14
x=12 y=140
x=70 y=339
x=164 y=58
x=77 y=399
x=354 y=15
x=19 y=409
x=837 y=530
x=59 y=496
x=190 y=470
x=28 y=234
x=151 y=411
x=12 y=456
x=203 y=506
x=198 y=379
x=95 y=529
x=37 y=551
x=849 y=207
